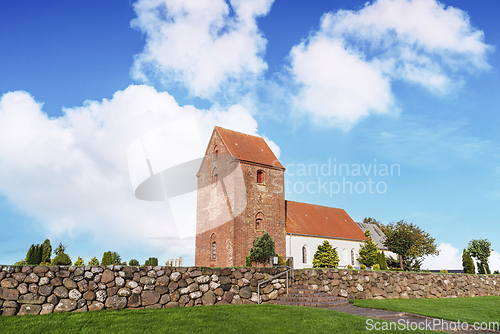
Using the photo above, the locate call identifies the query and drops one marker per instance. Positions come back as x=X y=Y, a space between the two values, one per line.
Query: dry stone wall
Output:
x=353 y=284
x=42 y=290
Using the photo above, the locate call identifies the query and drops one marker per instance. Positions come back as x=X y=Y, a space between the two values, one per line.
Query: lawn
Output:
x=207 y=319
x=468 y=309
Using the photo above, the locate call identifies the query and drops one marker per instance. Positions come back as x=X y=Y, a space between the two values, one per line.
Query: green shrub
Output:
x=368 y=252
x=467 y=262
x=362 y=267
x=106 y=258
x=152 y=261
x=382 y=261
x=326 y=256
x=263 y=248
x=94 y=261
x=79 y=262
x=443 y=271
x=496 y=272
x=376 y=267
x=61 y=259
x=349 y=267
x=133 y=263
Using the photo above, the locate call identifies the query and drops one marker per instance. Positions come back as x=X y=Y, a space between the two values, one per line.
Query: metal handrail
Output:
x=270 y=279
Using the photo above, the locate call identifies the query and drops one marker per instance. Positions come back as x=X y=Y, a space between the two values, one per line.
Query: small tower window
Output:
x=214 y=250
x=260 y=176
x=258 y=224
x=304 y=254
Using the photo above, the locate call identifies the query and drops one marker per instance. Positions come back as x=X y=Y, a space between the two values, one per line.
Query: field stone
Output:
x=11 y=303
x=53 y=300
x=82 y=309
x=116 y=302
x=65 y=305
x=40 y=269
x=33 y=288
x=164 y=299
x=150 y=297
x=31 y=298
x=134 y=300
x=89 y=295
x=29 y=309
x=131 y=284
x=162 y=281
x=107 y=276
x=45 y=290
x=56 y=281
x=47 y=308
x=124 y=292
x=9 y=283
x=44 y=281
x=82 y=286
x=69 y=284
x=74 y=294
x=19 y=277
x=147 y=280
x=175 y=276
x=61 y=292
x=96 y=306
x=208 y=298
x=32 y=278
x=9 y=294
x=101 y=296
x=120 y=282
x=9 y=311
x=88 y=275
x=245 y=292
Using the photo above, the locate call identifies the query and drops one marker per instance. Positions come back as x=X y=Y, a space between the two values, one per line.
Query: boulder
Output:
x=89 y=295
x=245 y=292
x=45 y=290
x=150 y=297
x=22 y=288
x=101 y=296
x=65 y=305
x=96 y=306
x=31 y=278
x=74 y=295
x=208 y=298
x=9 y=283
x=29 y=309
x=116 y=302
x=134 y=300
x=31 y=298
x=61 y=292
x=47 y=308
x=107 y=276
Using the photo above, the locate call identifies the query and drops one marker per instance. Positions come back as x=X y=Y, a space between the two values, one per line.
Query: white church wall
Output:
x=346 y=249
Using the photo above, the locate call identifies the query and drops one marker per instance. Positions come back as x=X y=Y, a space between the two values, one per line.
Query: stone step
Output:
x=332 y=304
x=309 y=299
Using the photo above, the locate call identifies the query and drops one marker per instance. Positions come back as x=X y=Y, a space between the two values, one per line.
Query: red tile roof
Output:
x=248 y=148
x=321 y=221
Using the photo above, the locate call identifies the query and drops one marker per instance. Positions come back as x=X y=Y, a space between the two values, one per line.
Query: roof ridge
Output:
x=323 y=206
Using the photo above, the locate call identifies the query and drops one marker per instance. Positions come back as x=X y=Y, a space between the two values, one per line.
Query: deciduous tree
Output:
x=480 y=249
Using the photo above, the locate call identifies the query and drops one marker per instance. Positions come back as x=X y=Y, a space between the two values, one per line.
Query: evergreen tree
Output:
x=79 y=262
x=467 y=263
x=46 y=251
x=61 y=258
x=263 y=248
x=326 y=256
x=152 y=261
x=368 y=253
x=133 y=262
x=94 y=261
x=115 y=258
x=37 y=257
x=106 y=258
x=382 y=261
x=30 y=255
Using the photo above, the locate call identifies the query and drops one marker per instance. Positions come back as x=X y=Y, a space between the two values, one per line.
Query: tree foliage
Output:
x=368 y=252
x=326 y=256
x=152 y=261
x=382 y=261
x=61 y=258
x=133 y=262
x=467 y=262
x=480 y=249
x=94 y=261
x=34 y=255
x=79 y=262
x=46 y=251
x=115 y=258
x=410 y=242
x=263 y=248
x=106 y=258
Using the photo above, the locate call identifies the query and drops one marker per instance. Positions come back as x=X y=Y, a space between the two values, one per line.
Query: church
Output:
x=241 y=195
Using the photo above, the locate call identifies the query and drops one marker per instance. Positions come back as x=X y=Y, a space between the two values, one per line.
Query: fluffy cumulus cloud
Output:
x=345 y=69
x=451 y=258
x=72 y=173
x=201 y=44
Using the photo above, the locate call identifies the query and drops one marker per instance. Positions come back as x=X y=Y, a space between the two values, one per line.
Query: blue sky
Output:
x=407 y=83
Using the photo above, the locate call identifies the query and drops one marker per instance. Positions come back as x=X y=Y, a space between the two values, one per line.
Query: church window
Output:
x=304 y=254
x=216 y=152
x=260 y=176
x=259 y=221
x=258 y=224
x=214 y=250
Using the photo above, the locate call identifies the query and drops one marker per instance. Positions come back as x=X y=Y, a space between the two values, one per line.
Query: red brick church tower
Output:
x=240 y=195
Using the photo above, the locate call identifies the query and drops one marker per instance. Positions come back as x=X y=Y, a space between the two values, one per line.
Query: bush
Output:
x=326 y=256
x=133 y=263
x=152 y=261
x=61 y=259
x=362 y=267
x=382 y=261
x=248 y=261
x=467 y=262
x=349 y=267
x=94 y=261
x=106 y=258
x=443 y=271
x=496 y=272
x=263 y=248
x=376 y=267
x=79 y=262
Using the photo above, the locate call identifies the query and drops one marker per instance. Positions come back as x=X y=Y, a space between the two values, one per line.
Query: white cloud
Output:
x=449 y=258
x=201 y=44
x=345 y=69
x=71 y=173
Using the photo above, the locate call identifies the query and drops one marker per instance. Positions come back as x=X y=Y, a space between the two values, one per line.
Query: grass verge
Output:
x=467 y=309
x=208 y=319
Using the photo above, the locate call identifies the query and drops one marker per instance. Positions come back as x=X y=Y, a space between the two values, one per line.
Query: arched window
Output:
x=215 y=175
x=216 y=152
x=259 y=221
x=304 y=254
x=260 y=176
x=214 y=250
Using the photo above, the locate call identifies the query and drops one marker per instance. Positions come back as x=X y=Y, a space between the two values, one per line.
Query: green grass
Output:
x=467 y=309
x=207 y=319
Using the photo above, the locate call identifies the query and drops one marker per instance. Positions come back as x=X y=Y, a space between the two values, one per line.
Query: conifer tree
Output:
x=79 y=262
x=94 y=261
x=467 y=263
x=30 y=255
x=61 y=258
x=263 y=248
x=46 y=251
x=326 y=256
x=106 y=258
x=115 y=258
x=152 y=261
x=382 y=261
x=368 y=253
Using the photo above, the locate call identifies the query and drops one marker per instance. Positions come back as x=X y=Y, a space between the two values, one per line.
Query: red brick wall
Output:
x=236 y=194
